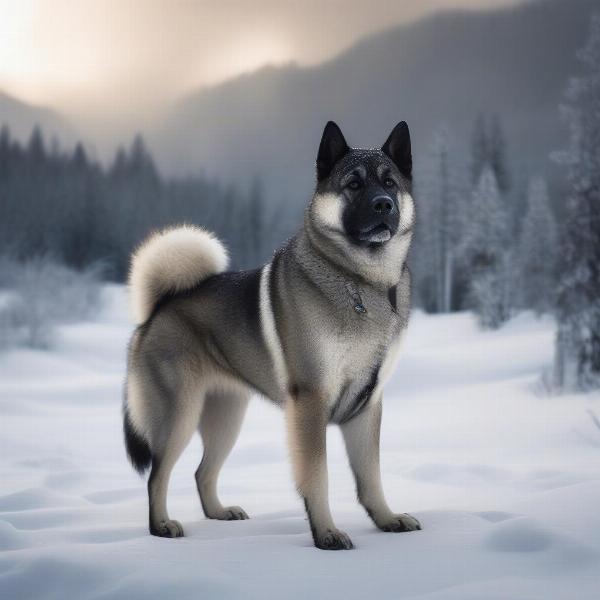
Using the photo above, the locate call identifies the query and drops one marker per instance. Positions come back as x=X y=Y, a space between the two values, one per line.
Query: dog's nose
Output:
x=382 y=205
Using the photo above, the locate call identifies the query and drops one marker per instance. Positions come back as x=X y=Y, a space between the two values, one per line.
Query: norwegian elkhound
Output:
x=316 y=331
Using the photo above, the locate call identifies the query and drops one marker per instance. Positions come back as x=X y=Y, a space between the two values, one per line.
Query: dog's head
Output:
x=362 y=204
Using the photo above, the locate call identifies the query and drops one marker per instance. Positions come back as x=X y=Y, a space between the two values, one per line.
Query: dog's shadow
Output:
x=277 y=523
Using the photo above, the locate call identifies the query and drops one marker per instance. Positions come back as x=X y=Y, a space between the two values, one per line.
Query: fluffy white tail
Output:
x=169 y=261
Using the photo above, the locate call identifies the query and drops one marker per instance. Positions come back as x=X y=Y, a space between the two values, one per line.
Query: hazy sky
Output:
x=133 y=56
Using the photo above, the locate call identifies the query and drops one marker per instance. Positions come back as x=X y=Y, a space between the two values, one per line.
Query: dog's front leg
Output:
x=306 y=415
x=361 y=435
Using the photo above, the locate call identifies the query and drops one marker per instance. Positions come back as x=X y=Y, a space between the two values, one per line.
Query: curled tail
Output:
x=172 y=260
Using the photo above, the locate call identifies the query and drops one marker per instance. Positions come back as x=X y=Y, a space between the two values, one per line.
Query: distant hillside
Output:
x=441 y=71
x=22 y=118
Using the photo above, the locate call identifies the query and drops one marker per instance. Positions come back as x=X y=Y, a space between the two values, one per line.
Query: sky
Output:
x=91 y=57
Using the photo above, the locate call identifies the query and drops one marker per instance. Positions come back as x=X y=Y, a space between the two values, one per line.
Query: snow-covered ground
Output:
x=505 y=481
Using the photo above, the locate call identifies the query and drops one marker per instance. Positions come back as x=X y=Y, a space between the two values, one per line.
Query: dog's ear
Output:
x=333 y=147
x=397 y=147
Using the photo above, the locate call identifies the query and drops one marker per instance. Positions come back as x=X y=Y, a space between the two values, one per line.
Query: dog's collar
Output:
x=354 y=294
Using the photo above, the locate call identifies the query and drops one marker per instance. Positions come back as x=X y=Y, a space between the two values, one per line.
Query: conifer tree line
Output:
x=67 y=206
x=577 y=357
x=483 y=243
x=493 y=244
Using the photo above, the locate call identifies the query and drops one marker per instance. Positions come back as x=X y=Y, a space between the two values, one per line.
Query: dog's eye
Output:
x=354 y=185
x=389 y=182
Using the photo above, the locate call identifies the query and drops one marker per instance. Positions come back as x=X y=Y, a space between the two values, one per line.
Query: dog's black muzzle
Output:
x=373 y=220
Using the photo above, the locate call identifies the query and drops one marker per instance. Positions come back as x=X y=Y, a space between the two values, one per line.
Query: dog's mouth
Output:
x=379 y=234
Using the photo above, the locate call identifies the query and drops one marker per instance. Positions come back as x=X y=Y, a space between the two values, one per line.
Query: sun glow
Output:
x=246 y=53
x=49 y=50
x=18 y=68
x=96 y=54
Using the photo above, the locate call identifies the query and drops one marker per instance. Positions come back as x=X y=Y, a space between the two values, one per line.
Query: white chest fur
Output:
x=354 y=371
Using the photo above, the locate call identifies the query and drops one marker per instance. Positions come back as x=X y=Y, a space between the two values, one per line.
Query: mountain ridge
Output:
x=440 y=71
x=21 y=117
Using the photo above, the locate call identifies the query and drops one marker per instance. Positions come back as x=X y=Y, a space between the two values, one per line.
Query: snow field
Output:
x=504 y=479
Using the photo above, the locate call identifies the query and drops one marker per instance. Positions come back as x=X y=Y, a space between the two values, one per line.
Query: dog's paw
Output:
x=333 y=539
x=400 y=523
x=168 y=529
x=228 y=513
x=234 y=513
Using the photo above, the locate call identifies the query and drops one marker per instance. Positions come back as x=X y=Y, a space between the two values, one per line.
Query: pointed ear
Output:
x=397 y=147
x=333 y=147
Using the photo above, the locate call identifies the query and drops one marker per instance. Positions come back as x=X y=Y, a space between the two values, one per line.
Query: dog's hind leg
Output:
x=220 y=424
x=173 y=436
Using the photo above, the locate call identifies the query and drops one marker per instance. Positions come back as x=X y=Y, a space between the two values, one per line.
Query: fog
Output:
x=119 y=63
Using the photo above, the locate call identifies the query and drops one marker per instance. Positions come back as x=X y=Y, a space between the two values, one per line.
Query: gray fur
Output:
x=316 y=331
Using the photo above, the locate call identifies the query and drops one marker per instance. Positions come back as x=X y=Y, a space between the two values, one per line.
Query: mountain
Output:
x=21 y=118
x=442 y=71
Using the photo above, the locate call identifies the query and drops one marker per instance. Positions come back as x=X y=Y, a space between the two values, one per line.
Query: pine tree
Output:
x=140 y=160
x=119 y=165
x=488 y=149
x=577 y=358
x=5 y=151
x=497 y=155
x=36 y=148
x=486 y=250
x=537 y=250
x=479 y=149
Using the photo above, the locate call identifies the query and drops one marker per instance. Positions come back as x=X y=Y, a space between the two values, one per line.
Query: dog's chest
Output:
x=353 y=348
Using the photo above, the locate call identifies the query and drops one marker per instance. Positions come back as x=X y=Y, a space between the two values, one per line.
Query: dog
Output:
x=316 y=331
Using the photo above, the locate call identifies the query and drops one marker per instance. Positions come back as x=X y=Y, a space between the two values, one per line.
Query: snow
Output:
x=504 y=479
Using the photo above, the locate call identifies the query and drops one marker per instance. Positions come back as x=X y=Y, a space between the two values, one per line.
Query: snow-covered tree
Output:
x=479 y=149
x=486 y=253
x=578 y=304
x=490 y=293
x=537 y=252
x=488 y=149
